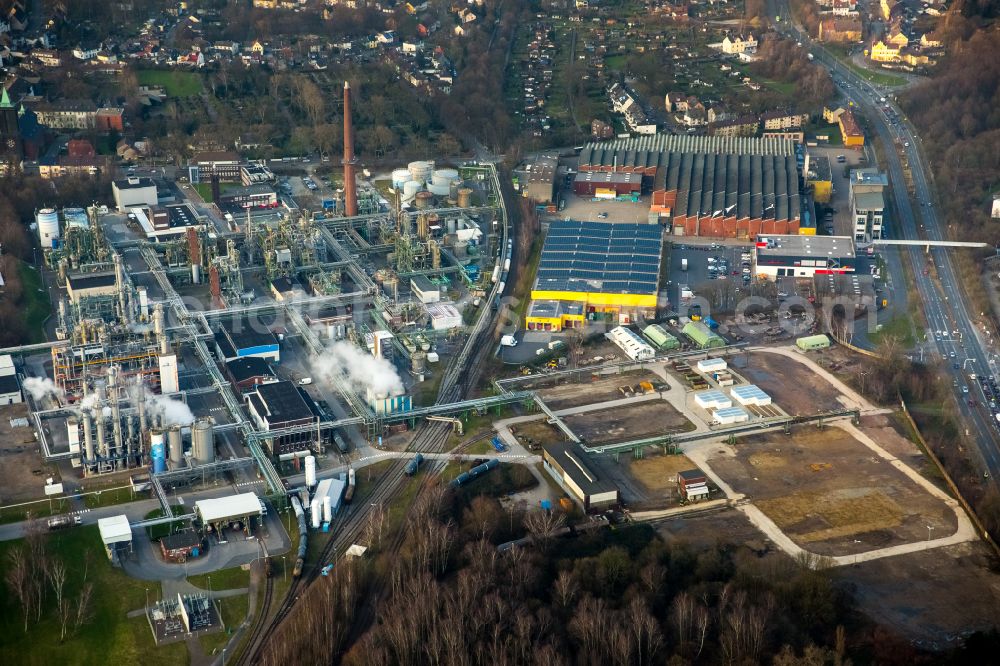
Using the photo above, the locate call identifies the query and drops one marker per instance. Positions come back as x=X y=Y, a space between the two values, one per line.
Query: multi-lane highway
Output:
x=952 y=334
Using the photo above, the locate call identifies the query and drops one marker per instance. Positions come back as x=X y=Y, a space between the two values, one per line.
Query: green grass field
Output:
x=205 y=190
x=37 y=306
x=175 y=84
x=108 y=637
x=225 y=579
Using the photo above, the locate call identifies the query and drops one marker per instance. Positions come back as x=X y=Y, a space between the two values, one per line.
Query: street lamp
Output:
x=284 y=570
x=223 y=656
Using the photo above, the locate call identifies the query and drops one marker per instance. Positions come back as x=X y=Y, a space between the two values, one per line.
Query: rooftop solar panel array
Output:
x=608 y=257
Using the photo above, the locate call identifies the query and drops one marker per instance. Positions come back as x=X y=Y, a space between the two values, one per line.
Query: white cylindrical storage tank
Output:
x=451 y=225
x=76 y=217
x=439 y=190
x=195 y=273
x=48 y=227
x=410 y=189
x=461 y=249
x=203 y=441
x=444 y=176
x=310 y=471
x=175 y=444
x=420 y=170
x=327 y=509
x=314 y=513
x=399 y=178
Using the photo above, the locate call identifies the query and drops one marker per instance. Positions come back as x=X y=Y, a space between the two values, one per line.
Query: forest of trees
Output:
x=957 y=114
x=781 y=60
x=445 y=594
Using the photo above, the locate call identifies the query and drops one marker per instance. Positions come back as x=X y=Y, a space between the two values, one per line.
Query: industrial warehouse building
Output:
x=240 y=338
x=283 y=405
x=734 y=187
x=222 y=511
x=567 y=463
x=131 y=192
x=540 y=180
x=607 y=270
x=247 y=373
x=803 y=256
x=606 y=184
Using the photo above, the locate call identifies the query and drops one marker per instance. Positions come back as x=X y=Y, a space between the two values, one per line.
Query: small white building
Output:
x=134 y=191
x=116 y=533
x=712 y=400
x=425 y=290
x=631 y=343
x=710 y=365
x=730 y=415
x=444 y=316
x=750 y=394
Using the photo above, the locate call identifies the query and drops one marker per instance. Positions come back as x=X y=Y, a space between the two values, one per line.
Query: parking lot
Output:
x=840 y=200
x=705 y=263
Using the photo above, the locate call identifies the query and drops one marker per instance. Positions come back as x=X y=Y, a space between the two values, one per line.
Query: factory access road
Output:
x=952 y=331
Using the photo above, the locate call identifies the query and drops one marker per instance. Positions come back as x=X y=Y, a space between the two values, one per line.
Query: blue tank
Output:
x=158 y=454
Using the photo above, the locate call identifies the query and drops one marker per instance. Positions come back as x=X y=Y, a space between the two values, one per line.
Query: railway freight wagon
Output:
x=475 y=472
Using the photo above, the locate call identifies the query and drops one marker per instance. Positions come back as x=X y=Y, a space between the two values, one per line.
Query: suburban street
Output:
x=951 y=329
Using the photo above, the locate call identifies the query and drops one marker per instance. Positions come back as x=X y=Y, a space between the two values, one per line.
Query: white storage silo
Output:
x=48 y=227
x=439 y=190
x=76 y=217
x=410 y=189
x=327 y=509
x=203 y=441
x=315 y=513
x=175 y=444
x=421 y=170
x=399 y=178
x=444 y=176
x=310 y=471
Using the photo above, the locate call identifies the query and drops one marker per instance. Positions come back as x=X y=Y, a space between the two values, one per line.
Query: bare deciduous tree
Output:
x=18 y=578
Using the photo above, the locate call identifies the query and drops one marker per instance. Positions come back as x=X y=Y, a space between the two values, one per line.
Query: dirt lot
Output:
x=658 y=474
x=708 y=529
x=591 y=392
x=534 y=434
x=792 y=385
x=628 y=422
x=830 y=494
x=929 y=597
x=22 y=470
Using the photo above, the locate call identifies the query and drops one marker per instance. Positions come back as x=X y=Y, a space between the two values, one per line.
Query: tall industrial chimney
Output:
x=350 y=163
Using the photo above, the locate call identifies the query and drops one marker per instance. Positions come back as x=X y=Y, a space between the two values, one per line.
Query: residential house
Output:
x=930 y=41
x=47 y=57
x=840 y=29
x=850 y=130
x=845 y=8
x=783 y=120
x=676 y=101
x=896 y=38
x=734 y=127
x=739 y=44
x=67 y=114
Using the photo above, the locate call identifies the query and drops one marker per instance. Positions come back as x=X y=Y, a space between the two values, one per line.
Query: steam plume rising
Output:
x=362 y=370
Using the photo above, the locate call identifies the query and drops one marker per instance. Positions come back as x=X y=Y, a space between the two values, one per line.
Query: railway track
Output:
x=460 y=377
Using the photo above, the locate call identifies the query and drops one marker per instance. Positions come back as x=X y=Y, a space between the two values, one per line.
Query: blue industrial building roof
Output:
x=749 y=392
x=726 y=412
x=609 y=257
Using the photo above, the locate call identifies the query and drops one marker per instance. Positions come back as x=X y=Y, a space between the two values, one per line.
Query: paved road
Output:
x=960 y=342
